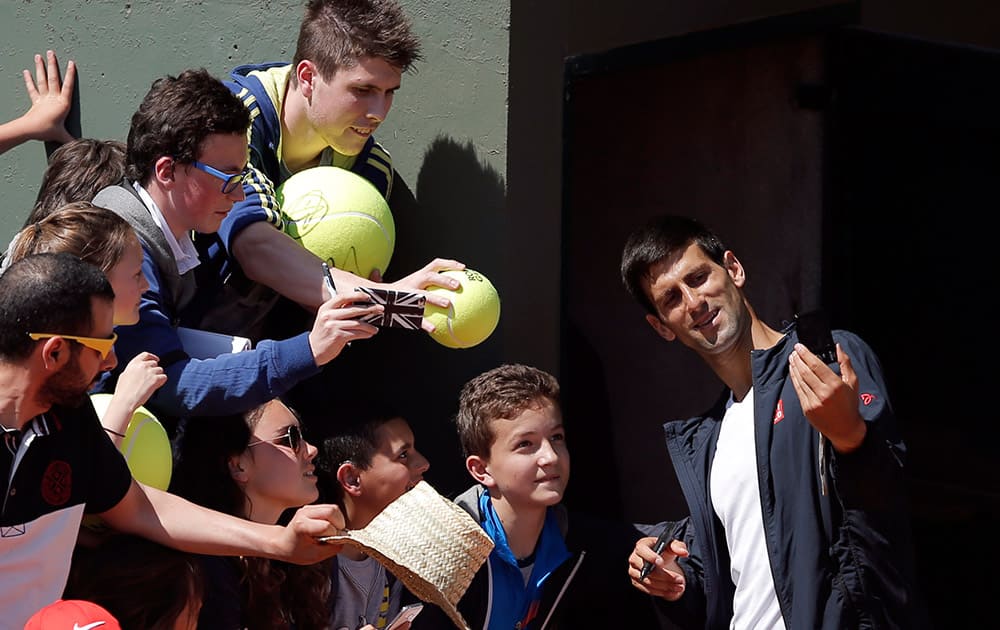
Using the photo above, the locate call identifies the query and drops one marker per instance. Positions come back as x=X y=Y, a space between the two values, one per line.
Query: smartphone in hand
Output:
x=814 y=333
x=406 y=613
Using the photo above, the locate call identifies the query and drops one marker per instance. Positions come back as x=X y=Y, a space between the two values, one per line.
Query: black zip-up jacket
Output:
x=840 y=558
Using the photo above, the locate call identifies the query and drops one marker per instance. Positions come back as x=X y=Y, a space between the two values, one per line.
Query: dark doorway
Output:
x=848 y=169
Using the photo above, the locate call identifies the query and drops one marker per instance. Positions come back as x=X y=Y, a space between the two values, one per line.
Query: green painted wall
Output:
x=457 y=96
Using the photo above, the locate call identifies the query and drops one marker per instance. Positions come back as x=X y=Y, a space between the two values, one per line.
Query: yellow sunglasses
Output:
x=103 y=346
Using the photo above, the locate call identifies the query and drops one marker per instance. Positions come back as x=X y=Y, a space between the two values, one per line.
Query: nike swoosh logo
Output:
x=89 y=625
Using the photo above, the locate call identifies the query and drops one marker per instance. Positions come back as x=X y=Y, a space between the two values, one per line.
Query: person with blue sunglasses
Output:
x=186 y=160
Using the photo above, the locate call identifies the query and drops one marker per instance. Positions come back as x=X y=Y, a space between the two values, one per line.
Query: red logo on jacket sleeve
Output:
x=867 y=399
x=57 y=482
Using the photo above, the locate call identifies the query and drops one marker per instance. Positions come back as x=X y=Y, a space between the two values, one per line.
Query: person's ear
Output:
x=660 y=328
x=734 y=268
x=237 y=470
x=163 y=170
x=479 y=470
x=55 y=353
x=349 y=478
x=305 y=74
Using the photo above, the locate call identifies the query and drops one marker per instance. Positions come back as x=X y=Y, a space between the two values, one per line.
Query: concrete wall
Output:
x=458 y=95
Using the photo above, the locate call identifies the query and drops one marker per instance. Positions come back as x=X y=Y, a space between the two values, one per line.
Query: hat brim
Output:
x=431 y=545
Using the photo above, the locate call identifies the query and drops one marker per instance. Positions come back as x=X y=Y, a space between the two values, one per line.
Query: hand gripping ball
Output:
x=474 y=311
x=340 y=217
x=145 y=446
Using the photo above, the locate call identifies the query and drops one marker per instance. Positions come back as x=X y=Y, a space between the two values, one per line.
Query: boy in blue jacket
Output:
x=549 y=568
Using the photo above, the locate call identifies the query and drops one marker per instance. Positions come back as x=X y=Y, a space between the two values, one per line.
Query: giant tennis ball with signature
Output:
x=340 y=217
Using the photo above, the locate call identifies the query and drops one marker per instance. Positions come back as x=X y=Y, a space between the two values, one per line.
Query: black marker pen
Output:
x=328 y=280
x=661 y=542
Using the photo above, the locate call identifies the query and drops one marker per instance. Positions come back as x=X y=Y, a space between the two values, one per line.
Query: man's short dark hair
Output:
x=660 y=238
x=336 y=34
x=47 y=293
x=176 y=116
x=502 y=393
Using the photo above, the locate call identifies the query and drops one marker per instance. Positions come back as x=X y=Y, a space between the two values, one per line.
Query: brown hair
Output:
x=142 y=583
x=336 y=34
x=96 y=235
x=660 y=238
x=176 y=116
x=77 y=171
x=500 y=394
x=273 y=594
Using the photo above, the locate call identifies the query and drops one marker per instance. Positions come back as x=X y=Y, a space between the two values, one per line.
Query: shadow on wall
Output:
x=456 y=213
x=457 y=210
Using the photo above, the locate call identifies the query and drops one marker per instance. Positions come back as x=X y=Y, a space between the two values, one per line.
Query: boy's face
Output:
x=528 y=464
x=347 y=108
x=129 y=283
x=396 y=467
x=196 y=200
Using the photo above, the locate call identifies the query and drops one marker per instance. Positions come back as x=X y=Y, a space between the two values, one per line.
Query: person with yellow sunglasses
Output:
x=57 y=464
x=100 y=237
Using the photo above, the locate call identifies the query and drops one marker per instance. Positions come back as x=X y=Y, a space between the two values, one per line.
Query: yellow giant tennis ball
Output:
x=474 y=311
x=339 y=216
x=145 y=446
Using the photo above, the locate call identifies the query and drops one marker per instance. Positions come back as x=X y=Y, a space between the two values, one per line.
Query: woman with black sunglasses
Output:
x=256 y=466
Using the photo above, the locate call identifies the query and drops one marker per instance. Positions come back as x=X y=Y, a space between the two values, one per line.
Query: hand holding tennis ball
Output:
x=146 y=446
x=473 y=314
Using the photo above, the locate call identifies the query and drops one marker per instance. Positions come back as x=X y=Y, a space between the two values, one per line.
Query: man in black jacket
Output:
x=794 y=480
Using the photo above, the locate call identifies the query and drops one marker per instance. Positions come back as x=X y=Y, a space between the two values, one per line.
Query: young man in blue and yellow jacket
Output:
x=321 y=109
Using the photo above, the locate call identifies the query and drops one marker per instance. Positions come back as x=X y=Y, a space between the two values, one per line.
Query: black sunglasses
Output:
x=292 y=439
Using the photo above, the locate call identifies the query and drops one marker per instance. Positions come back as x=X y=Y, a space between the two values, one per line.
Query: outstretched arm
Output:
x=272 y=258
x=175 y=522
x=50 y=103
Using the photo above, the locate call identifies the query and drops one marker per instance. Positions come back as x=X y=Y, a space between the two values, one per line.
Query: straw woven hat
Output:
x=430 y=544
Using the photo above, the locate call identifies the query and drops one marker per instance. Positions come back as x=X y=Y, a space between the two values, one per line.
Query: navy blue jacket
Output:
x=840 y=559
x=229 y=383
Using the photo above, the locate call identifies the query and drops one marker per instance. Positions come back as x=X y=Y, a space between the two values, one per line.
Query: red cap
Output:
x=72 y=614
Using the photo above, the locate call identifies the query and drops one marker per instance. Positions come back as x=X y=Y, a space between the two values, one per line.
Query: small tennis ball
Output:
x=145 y=446
x=474 y=311
x=340 y=217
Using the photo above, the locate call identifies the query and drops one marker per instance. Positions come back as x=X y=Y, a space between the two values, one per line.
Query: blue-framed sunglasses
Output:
x=229 y=182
